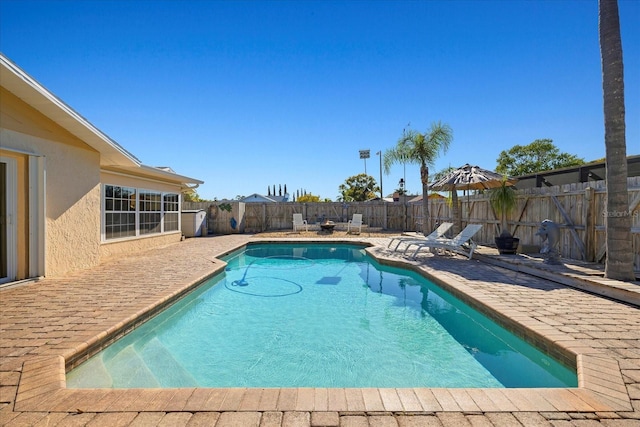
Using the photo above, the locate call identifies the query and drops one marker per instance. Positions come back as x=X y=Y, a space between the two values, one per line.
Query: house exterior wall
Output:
x=72 y=201
x=73 y=188
x=114 y=249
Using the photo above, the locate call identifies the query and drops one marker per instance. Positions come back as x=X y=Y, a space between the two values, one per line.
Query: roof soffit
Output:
x=153 y=173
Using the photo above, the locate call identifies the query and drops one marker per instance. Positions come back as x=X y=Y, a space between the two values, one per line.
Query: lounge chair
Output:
x=435 y=234
x=462 y=243
x=355 y=222
x=298 y=222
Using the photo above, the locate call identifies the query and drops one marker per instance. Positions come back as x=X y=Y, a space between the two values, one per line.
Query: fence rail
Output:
x=579 y=209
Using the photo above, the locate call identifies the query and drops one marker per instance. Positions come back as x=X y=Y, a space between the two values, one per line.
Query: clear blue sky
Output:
x=247 y=94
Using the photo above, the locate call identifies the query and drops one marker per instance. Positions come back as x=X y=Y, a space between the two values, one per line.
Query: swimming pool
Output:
x=319 y=315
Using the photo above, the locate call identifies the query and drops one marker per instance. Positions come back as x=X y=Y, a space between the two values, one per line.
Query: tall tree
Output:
x=540 y=155
x=192 y=196
x=358 y=188
x=421 y=149
x=309 y=198
x=619 y=263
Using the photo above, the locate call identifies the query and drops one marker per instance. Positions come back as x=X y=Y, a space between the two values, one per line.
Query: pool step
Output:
x=158 y=359
x=91 y=374
x=132 y=368
x=127 y=369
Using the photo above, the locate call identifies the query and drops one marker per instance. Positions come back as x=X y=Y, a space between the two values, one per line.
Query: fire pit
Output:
x=327 y=226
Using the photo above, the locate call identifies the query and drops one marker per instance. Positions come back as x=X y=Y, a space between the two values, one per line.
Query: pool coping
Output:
x=601 y=388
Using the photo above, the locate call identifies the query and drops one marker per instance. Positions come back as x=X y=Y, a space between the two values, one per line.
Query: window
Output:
x=171 y=212
x=131 y=212
x=120 y=215
x=150 y=212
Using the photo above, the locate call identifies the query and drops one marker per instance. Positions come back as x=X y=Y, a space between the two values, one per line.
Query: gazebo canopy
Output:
x=470 y=177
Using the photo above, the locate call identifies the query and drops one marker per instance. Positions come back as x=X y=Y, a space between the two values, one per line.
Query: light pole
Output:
x=404 y=202
x=379 y=153
x=364 y=154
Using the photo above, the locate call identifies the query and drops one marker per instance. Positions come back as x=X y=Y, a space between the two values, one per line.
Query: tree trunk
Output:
x=424 y=178
x=504 y=225
x=619 y=263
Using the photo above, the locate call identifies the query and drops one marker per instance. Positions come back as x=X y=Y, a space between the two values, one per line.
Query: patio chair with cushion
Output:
x=298 y=222
x=462 y=243
x=355 y=222
x=435 y=234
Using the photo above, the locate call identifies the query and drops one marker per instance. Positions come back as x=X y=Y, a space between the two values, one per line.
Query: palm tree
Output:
x=504 y=200
x=422 y=149
x=619 y=263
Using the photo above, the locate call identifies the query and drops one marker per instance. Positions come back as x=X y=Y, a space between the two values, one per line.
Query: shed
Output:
x=194 y=222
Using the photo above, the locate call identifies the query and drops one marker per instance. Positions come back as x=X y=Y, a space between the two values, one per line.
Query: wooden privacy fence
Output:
x=259 y=217
x=579 y=209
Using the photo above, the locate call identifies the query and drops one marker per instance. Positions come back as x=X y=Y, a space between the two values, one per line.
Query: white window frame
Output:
x=149 y=205
x=166 y=212
x=138 y=212
x=37 y=217
x=120 y=211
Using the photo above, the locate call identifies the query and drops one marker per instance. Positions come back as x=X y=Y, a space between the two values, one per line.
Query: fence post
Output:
x=385 y=220
x=211 y=229
x=589 y=220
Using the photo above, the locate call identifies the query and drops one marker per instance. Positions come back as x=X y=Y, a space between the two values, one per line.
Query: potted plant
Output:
x=503 y=199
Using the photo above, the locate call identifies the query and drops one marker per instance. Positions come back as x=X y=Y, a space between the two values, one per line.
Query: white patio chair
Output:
x=298 y=222
x=462 y=243
x=435 y=234
x=355 y=222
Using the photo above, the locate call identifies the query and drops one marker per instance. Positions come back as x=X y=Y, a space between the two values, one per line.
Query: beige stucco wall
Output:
x=16 y=115
x=124 y=247
x=72 y=201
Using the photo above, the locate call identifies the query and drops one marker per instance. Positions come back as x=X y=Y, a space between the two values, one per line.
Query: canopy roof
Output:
x=470 y=177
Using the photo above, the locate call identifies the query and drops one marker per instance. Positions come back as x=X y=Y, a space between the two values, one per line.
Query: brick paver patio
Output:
x=48 y=323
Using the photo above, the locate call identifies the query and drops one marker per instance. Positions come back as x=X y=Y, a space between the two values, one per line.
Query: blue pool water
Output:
x=319 y=316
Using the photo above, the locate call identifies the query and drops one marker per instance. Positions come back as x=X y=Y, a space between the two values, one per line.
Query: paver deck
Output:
x=49 y=325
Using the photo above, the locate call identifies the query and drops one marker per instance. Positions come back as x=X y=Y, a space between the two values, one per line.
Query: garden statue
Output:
x=549 y=231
